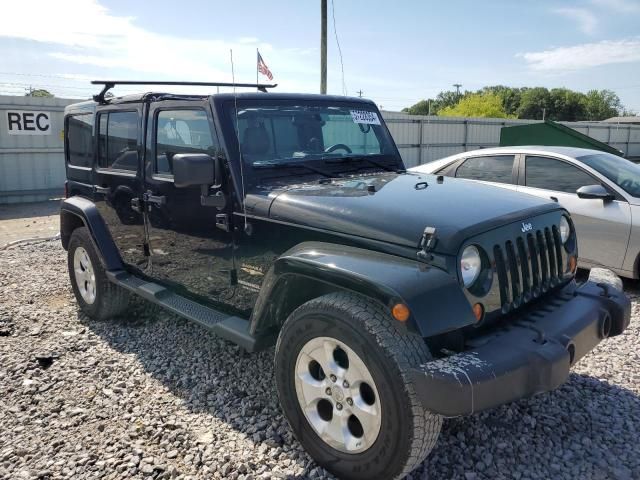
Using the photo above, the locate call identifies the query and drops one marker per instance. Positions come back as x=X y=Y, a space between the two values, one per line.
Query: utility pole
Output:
x=544 y=113
x=359 y=92
x=323 y=47
x=457 y=85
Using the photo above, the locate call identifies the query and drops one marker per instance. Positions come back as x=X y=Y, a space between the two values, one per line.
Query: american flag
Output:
x=263 y=69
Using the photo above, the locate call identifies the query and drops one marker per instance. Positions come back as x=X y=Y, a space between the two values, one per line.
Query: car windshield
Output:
x=281 y=135
x=622 y=172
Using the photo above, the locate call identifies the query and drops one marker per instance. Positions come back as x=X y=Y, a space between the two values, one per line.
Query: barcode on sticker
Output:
x=364 y=116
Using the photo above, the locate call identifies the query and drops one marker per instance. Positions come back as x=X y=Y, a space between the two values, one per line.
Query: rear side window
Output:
x=181 y=131
x=118 y=141
x=553 y=174
x=496 y=168
x=79 y=131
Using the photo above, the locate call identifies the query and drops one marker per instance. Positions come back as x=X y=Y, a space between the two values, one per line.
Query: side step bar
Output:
x=234 y=329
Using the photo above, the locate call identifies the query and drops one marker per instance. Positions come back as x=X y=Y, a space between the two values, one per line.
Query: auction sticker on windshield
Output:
x=364 y=116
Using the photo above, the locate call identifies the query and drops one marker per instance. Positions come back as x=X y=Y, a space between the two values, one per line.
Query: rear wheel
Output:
x=341 y=371
x=95 y=294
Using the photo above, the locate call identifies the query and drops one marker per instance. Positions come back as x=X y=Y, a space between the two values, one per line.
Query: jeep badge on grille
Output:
x=526 y=227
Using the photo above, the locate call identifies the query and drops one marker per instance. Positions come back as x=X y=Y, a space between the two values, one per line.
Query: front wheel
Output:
x=341 y=372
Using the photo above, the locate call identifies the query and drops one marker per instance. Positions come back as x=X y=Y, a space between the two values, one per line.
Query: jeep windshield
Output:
x=327 y=138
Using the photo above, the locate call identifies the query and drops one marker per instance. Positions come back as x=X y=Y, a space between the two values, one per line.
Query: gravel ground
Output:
x=152 y=396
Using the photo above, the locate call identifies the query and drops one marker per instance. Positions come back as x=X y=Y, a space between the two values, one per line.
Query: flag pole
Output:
x=257 y=58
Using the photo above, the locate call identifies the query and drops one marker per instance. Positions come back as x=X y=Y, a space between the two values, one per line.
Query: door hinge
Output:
x=147 y=252
x=233 y=277
x=222 y=221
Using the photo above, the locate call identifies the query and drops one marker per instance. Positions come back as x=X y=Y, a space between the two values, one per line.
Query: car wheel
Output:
x=95 y=294
x=341 y=373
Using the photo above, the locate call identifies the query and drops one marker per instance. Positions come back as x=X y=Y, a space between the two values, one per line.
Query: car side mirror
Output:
x=595 y=192
x=193 y=169
x=200 y=169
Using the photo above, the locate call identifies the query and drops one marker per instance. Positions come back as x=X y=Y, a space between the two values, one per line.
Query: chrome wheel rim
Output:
x=85 y=276
x=337 y=395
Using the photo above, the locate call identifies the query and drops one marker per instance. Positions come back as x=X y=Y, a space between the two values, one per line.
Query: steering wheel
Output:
x=338 y=146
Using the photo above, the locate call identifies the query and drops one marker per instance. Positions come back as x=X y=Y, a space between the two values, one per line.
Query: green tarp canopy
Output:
x=550 y=134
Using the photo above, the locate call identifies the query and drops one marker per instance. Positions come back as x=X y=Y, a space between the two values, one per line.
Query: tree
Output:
x=559 y=104
x=602 y=104
x=39 y=92
x=476 y=105
x=510 y=97
x=533 y=102
x=420 y=108
x=443 y=100
x=566 y=105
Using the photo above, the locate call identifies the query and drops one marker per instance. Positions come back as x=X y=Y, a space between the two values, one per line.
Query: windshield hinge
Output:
x=427 y=243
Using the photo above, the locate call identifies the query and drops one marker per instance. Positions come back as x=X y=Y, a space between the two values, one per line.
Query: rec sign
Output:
x=28 y=122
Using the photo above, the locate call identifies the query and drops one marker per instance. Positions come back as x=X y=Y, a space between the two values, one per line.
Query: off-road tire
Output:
x=110 y=299
x=408 y=432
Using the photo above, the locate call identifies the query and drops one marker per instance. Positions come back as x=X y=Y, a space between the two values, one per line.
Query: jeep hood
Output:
x=396 y=208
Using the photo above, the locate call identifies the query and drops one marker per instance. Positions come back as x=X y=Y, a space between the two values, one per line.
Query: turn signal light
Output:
x=400 y=312
x=573 y=264
x=478 y=311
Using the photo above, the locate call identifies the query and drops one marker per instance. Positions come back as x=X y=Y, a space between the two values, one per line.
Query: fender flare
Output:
x=79 y=208
x=435 y=299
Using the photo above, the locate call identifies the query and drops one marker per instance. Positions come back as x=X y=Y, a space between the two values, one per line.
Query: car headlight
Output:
x=470 y=265
x=565 y=229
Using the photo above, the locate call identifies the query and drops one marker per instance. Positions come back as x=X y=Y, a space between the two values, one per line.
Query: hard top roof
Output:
x=242 y=96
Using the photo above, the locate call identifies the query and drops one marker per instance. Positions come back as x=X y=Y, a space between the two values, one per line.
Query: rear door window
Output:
x=118 y=140
x=79 y=130
x=497 y=168
x=553 y=174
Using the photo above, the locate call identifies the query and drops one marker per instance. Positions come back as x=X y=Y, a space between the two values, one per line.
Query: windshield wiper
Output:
x=352 y=159
x=275 y=165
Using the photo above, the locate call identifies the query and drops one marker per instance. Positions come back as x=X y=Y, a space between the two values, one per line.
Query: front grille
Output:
x=528 y=266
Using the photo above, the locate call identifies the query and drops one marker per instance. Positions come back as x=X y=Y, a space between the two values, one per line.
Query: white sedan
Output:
x=600 y=190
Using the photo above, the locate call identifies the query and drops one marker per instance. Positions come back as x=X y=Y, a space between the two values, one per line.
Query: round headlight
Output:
x=470 y=265
x=565 y=229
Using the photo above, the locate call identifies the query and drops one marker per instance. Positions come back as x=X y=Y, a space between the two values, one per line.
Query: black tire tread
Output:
x=112 y=300
x=404 y=349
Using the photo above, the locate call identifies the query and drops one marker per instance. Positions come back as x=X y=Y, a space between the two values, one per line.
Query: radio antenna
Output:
x=235 y=105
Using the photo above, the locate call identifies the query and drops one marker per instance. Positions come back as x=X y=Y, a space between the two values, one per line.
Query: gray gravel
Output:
x=152 y=396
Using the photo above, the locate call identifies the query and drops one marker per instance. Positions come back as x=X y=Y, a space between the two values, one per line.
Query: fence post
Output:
x=466 y=134
x=421 y=129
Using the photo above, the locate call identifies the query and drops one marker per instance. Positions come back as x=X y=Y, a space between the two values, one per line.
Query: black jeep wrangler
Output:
x=393 y=299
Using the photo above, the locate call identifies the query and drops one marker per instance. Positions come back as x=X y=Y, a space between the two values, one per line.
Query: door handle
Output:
x=99 y=189
x=156 y=199
x=555 y=199
x=135 y=205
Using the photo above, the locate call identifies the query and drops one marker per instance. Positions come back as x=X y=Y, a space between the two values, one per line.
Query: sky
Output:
x=394 y=52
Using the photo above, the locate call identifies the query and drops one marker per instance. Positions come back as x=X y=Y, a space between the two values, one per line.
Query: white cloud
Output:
x=623 y=6
x=84 y=32
x=584 y=56
x=586 y=20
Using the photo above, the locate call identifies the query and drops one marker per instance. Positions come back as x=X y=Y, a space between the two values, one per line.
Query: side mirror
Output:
x=200 y=169
x=595 y=192
x=194 y=169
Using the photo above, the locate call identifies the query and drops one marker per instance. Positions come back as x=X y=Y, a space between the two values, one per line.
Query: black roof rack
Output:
x=109 y=84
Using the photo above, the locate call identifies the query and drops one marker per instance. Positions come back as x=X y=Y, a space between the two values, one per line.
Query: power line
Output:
x=335 y=31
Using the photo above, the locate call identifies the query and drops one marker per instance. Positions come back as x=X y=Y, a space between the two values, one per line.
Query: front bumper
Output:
x=532 y=354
